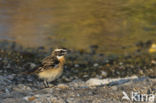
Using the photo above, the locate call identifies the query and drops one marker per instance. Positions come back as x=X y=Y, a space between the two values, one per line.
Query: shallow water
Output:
x=110 y=24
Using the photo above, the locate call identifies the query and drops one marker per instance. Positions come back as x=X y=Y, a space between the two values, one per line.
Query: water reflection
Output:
x=78 y=23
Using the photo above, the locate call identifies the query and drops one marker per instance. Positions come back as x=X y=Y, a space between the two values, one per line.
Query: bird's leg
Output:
x=46 y=83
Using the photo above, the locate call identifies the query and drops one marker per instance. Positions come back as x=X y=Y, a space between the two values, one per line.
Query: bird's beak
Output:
x=67 y=51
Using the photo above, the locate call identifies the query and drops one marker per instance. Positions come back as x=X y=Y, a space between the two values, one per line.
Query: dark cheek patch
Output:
x=58 y=53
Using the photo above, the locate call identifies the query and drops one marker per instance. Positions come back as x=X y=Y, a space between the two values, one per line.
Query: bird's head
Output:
x=59 y=53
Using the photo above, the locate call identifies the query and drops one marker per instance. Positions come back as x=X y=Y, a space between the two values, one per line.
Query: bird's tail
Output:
x=31 y=72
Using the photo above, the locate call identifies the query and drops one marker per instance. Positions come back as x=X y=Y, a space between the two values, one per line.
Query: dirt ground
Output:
x=80 y=92
x=112 y=77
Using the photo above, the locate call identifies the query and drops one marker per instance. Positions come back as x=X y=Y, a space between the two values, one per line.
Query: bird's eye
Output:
x=62 y=51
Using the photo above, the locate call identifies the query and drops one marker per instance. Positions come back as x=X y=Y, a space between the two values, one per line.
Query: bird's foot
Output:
x=47 y=85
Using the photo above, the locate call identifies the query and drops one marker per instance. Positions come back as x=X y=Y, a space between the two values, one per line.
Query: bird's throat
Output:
x=61 y=59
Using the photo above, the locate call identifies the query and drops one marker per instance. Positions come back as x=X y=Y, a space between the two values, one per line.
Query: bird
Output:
x=51 y=66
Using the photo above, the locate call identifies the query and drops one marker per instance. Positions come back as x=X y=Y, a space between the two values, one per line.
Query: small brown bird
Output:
x=52 y=66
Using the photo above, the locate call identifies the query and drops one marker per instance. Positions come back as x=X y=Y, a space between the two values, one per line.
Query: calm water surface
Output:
x=110 y=24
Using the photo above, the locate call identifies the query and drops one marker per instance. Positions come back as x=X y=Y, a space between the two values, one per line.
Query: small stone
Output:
x=22 y=87
x=120 y=63
x=10 y=77
x=85 y=76
x=94 y=82
x=62 y=86
x=90 y=93
x=7 y=90
x=78 y=95
x=29 y=98
x=70 y=100
x=76 y=65
x=99 y=76
x=96 y=65
x=32 y=65
x=141 y=72
x=66 y=79
x=104 y=74
x=8 y=66
x=30 y=78
x=114 y=88
x=56 y=100
x=153 y=62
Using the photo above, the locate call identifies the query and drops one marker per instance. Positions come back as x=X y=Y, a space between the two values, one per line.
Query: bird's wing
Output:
x=50 y=61
x=47 y=63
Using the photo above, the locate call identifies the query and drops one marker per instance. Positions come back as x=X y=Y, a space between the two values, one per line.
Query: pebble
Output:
x=56 y=100
x=95 y=82
x=10 y=77
x=7 y=90
x=114 y=88
x=66 y=79
x=99 y=76
x=141 y=72
x=70 y=100
x=90 y=93
x=22 y=87
x=29 y=98
x=96 y=65
x=76 y=65
x=104 y=74
x=78 y=95
x=115 y=81
x=32 y=65
x=62 y=86
x=85 y=76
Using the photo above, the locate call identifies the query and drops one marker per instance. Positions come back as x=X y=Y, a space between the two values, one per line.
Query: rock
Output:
x=44 y=98
x=99 y=76
x=52 y=99
x=153 y=62
x=95 y=82
x=85 y=76
x=62 y=86
x=4 y=80
x=90 y=93
x=66 y=79
x=115 y=81
x=32 y=65
x=78 y=95
x=10 y=77
x=114 y=88
x=70 y=100
x=29 y=98
x=76 y=65
x=56 y=100
x=22 y=87
x=77 y=84
x=7 y=90
x=141 y=72
x=104 y=74
x=96 y=65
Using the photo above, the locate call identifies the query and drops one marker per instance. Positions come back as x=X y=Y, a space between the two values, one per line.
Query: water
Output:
x=110 y=24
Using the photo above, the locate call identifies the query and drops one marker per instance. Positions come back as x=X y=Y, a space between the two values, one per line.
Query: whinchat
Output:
x=52 y=66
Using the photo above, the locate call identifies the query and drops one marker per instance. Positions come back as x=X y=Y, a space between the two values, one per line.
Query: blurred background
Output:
x=112 y=25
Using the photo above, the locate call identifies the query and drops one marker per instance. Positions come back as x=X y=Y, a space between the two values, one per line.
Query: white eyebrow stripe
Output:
x=59 y=50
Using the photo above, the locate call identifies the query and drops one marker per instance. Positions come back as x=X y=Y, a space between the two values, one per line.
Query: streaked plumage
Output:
x=52 y=66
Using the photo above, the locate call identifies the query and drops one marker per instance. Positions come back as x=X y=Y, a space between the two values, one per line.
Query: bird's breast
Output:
x=51 y=74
